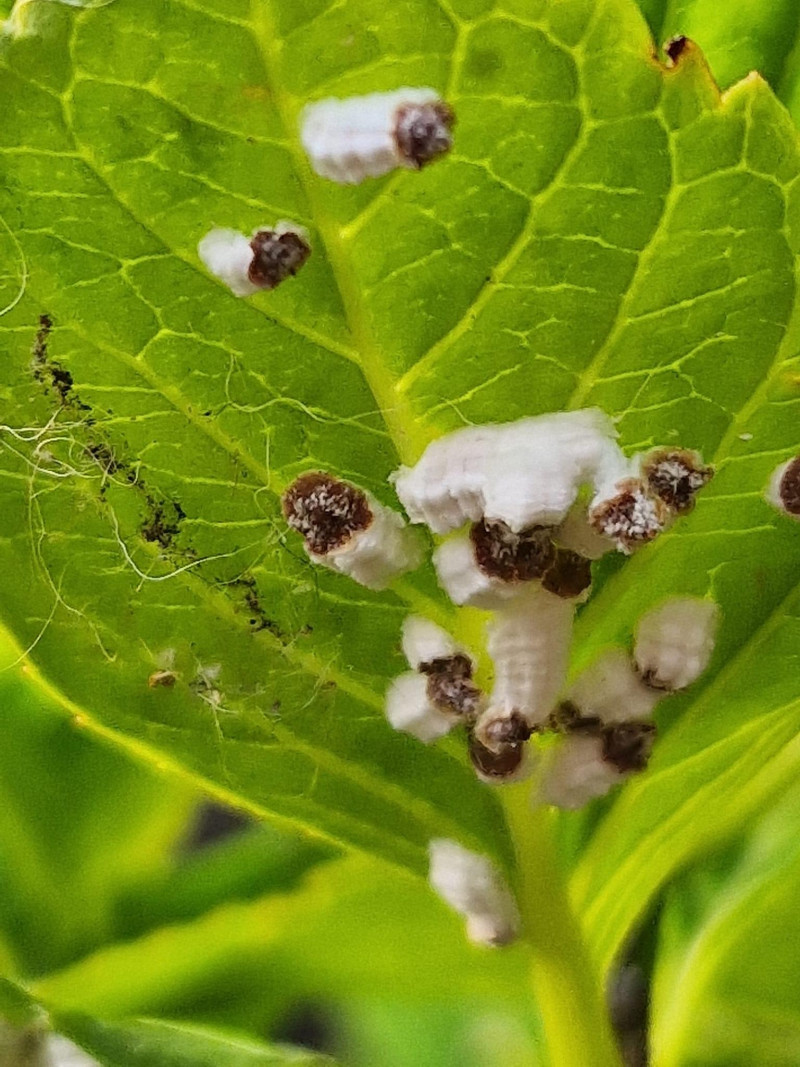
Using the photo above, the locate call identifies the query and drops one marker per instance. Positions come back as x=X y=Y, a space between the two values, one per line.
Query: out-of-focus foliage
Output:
x=727 y=983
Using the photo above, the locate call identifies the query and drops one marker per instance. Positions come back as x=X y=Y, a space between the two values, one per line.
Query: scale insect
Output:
x=438 y=693
x=674 y=642
x=367 y=136
x=247 y=265
x=472 y=886
x=347 y=530
x=783 y=491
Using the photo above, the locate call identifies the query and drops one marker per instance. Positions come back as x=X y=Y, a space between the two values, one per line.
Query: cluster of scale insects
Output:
x=520 y=511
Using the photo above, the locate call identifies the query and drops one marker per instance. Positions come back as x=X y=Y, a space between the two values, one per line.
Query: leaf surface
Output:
x=158 y=1043
x=607 y=231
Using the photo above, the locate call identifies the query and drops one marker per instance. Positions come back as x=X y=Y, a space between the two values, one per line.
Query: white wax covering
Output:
x=529 y=643
x=523 y=473
x=464 y=581
x=424 y=641
x=611 y=689
x=575 y=772
x=375 y=556
x=409 y=710
x=352 y=139
x=471 y=884
x=227 y=254
x=674 y=641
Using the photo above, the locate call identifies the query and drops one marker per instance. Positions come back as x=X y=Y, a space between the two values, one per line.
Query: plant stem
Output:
x=565 y=985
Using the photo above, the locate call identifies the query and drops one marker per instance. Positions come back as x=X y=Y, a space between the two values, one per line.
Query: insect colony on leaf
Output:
x=521 y=510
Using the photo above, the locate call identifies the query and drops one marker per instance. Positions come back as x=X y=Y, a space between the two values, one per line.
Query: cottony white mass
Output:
x=424 y=641
x=471 y=884
x=375 y=556
x=674 y=641
x=610 y=689
x=529 y=643
x=409 y=710
x=367 y=136
x=524 y=473
x=464 y=581
x=575 y=773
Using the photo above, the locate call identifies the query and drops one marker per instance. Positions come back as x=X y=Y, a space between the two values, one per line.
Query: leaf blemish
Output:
x=675 y=48
x=164 y=521
x=48 y=372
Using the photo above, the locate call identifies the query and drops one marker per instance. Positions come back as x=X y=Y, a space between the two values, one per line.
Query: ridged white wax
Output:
x=529 y=643
x=575 y=773
x=409 y=710
x=375 y=556
x=675 y=640
x=424 y=641
x=523 y=473
x=464 y=581
x=227 y=255
x=352 y=139
x=612 y=690
x=471 y=884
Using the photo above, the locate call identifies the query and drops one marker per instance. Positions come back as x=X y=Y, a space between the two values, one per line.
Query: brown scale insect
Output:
x=676 y=476
x=628 y=745
x=450 y=687
x=512 y=557
x=632 y=518
x=570 y=574
x=789 y=487
x=326 y=511
x=276 y=257
x=495 y=766
x=496 y=733
x=423 y=132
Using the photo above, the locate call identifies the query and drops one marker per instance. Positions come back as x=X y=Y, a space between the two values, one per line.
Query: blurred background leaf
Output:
x=727 y=980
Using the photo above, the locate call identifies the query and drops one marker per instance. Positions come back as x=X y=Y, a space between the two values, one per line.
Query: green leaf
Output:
x=158 y=1043
x=354 y=929
x=726 y=985
x=81 y=823
x=738 y=37
x=608 y=231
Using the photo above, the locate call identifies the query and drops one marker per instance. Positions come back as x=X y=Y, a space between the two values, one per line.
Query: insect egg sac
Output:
x=346 y=529
x=367 y=136
x=263 y=261
x=471 y=885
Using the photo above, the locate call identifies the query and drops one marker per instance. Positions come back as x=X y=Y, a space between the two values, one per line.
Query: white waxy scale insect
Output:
x=529 y=643
x=424 y=641
x=377 y=555
x=674 y=642
x=523 y=473
x=347 y=530
x=472 y=885
x=409 y=709
x=246 y=264
x=783 y=491
x=612 y=690
x=464 y=581
x=575 y=772
x=367 y=136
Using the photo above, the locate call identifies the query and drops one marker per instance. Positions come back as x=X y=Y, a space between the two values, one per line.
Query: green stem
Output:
x=565 y=985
